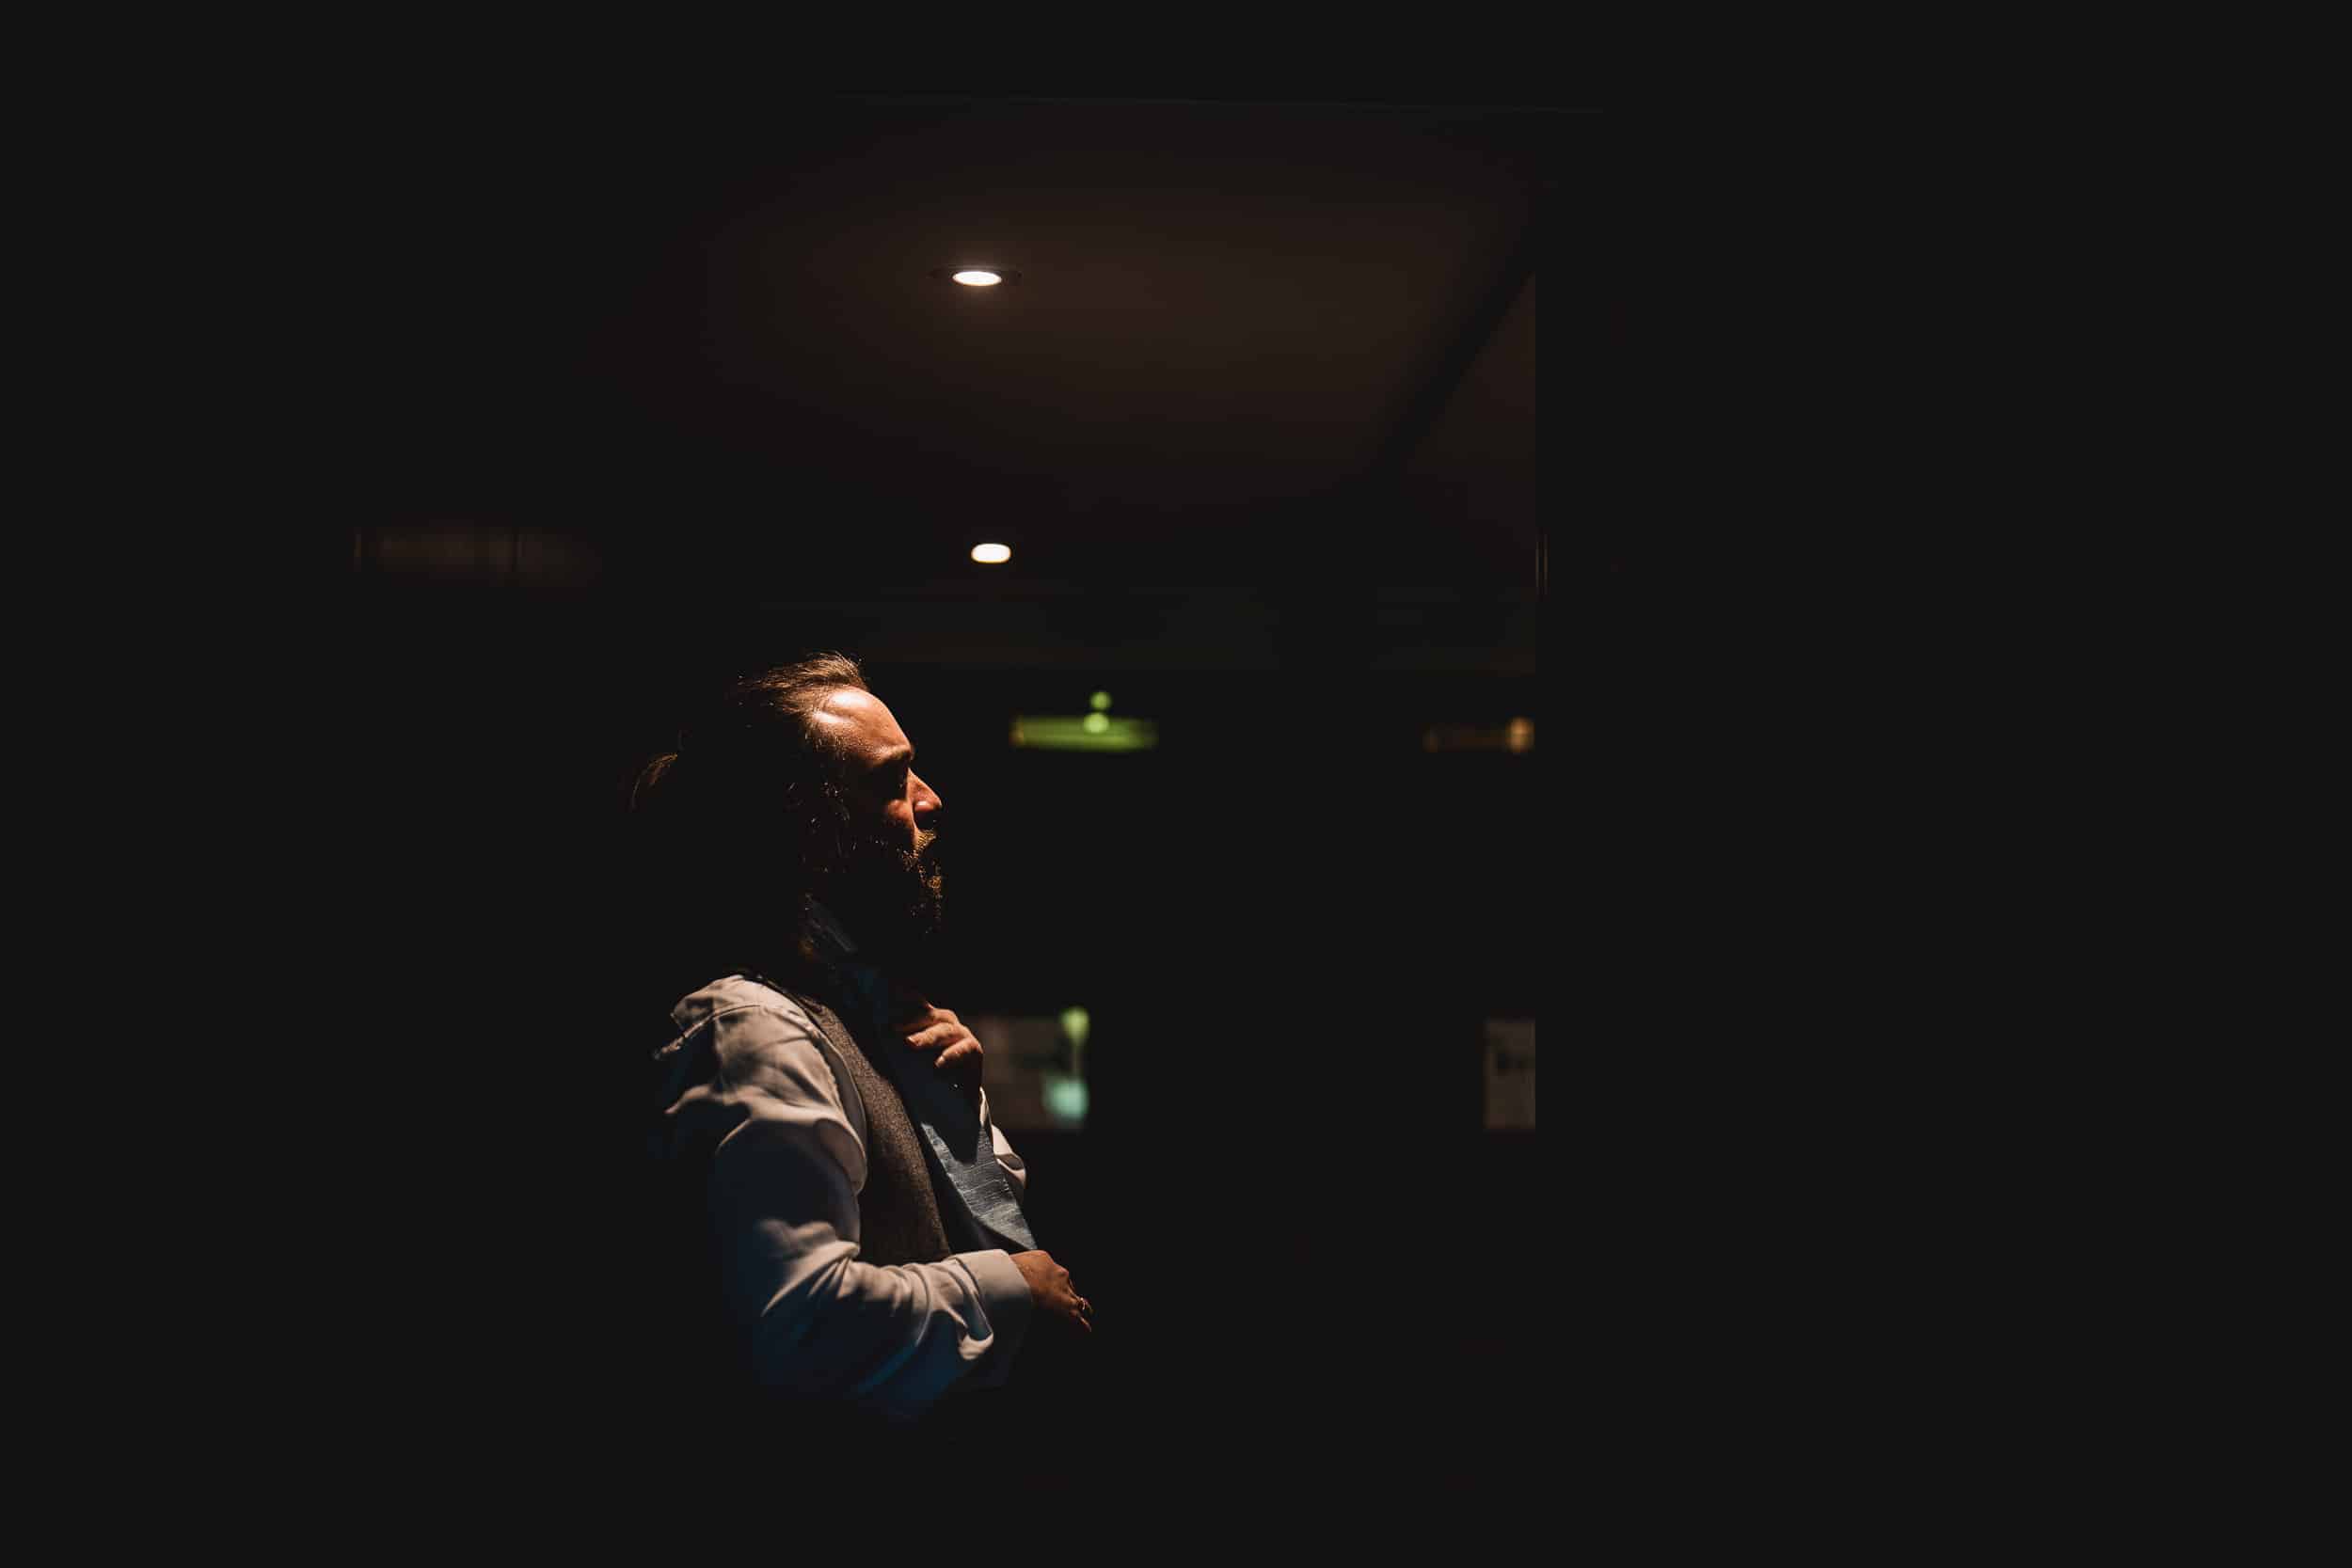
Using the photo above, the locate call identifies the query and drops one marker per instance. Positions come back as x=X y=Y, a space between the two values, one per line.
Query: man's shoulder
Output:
x=751 y=1031
x=735 y=993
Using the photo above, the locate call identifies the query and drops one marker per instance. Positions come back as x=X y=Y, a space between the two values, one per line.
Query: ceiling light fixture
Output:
x=976 y=278
x=992 y=555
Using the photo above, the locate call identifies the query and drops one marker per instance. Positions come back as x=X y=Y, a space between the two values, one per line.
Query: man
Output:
x=857 y=1214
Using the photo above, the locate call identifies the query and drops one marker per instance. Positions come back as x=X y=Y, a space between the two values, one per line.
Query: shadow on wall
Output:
x=459 y=552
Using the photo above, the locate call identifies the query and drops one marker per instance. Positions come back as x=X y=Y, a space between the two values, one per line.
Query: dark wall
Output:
x=1287 y=923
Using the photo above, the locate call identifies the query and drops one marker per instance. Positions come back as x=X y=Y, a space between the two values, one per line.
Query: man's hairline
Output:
x=836 y=746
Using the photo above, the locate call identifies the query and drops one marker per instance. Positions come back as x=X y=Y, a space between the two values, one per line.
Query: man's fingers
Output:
x=932 y=1037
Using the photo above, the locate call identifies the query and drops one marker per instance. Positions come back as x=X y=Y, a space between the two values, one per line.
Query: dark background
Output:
x=601 y=409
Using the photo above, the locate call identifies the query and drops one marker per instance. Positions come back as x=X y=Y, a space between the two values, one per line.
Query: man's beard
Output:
x=891 y=898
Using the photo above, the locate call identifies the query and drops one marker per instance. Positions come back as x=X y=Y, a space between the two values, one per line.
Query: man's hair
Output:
x=736 y=823
x=757 y=725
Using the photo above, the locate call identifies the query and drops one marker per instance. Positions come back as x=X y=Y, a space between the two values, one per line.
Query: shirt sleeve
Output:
x=784 y=1176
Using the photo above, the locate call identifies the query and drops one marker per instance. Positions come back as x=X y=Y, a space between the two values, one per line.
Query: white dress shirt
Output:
x=756 y=1083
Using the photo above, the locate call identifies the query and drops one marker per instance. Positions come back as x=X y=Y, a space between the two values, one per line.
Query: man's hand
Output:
x=1049 y=1288
x=928 y=1028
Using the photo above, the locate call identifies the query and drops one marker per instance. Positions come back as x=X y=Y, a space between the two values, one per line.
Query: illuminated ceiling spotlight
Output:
x=976 y=278
x=992 y=555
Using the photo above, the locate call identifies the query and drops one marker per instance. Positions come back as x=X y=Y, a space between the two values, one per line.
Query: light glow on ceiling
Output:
x=979 y=278
x=992 y=555
x=1516 y=737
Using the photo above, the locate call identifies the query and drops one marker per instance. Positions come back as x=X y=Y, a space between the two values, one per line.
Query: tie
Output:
x=949 y=1123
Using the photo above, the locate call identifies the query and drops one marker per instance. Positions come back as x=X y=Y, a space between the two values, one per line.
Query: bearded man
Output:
x=850 y=1219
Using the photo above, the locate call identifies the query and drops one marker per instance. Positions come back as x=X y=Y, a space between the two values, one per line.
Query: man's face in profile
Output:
x=889 y=889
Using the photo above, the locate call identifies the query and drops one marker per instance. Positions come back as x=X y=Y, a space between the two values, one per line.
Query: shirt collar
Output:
x=833 y=941
x=859 y=977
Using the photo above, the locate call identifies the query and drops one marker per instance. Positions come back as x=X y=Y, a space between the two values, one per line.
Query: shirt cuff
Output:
x=1005 y=1295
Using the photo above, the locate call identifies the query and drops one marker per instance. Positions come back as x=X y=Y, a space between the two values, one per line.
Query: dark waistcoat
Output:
x=899 y=1213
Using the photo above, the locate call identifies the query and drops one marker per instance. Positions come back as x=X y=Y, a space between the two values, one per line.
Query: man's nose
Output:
x=927 y=800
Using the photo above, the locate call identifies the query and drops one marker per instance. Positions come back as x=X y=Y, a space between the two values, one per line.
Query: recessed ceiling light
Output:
x=976 y=278
x=992 y=555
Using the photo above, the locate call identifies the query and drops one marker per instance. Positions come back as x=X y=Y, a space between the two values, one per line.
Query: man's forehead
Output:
x=859 y=722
